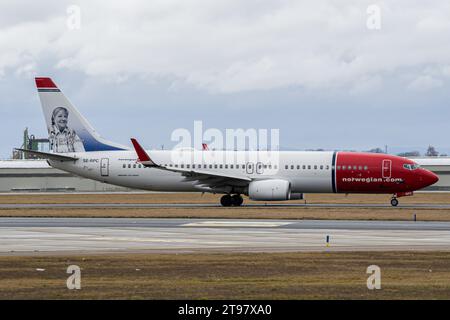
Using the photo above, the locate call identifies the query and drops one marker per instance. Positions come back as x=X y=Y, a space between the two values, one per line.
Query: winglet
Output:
x=143 y=156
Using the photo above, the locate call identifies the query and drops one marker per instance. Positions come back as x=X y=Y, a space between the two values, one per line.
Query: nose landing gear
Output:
x=394 y=202
x=228 y=200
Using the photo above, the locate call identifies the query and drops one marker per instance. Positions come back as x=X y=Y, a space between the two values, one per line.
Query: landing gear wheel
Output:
x=394 y=202
x=237 y=200
x=226 y=200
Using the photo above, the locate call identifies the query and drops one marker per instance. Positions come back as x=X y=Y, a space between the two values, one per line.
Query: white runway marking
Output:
x=234 y=224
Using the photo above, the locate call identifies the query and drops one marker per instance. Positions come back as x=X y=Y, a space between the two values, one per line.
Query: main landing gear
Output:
x=228 y=200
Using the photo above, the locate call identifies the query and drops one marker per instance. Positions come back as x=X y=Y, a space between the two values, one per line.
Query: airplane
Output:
x=77 y=148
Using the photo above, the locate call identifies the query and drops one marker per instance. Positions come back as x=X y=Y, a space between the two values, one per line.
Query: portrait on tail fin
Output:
x=62 y=137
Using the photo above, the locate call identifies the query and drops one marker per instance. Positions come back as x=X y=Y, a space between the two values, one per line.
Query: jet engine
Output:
x=272 y=190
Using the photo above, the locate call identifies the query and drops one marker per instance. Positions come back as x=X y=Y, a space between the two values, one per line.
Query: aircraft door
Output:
x=250 y=167
x=387 y=168
x=259 y=168
x=104 y=167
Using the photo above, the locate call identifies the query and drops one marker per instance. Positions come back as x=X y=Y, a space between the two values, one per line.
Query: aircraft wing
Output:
x=49 y=155
x=211 y=179
x=202 y=178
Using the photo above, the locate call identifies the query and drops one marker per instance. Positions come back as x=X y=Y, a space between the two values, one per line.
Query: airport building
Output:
x=38 y=176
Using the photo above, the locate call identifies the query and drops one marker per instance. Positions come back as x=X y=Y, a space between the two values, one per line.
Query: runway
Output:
x=106 y=235
x=209 y=205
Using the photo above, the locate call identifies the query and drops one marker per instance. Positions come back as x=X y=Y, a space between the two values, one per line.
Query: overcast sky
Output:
x=313 y=69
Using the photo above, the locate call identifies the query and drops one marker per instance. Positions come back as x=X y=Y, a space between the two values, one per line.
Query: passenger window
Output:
x=298 y=167
x=237 y=166
x=328 y=167
x=344 y=167
x=221 y=166
x=309 y=167
x=231 y=166
x=124 y=166
x=292 y=167
x=275 y=167
x=366 y=168
x=188 y=166
x=210 y=166
x=129 y=166
x=304 y=167
x=315 y=167
x=270 y=166
x=226 y=166
x=360 y=168
x=193 y=166
x=354 y=167
x=286 y=167
x=134 y=166
x=182 y=165
x=321 y=167
x=176 y=166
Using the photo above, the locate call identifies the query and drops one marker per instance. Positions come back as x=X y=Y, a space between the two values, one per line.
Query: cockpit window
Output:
x=409 y=166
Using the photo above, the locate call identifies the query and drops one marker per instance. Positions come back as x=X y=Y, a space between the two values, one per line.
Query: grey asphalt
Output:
x=208 y=205
x=23 y=236
x=218 y=223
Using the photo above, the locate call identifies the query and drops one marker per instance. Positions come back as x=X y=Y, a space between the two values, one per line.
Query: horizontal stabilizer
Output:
x=48 y=155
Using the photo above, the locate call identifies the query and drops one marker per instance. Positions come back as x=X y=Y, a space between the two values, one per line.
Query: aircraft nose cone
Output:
x=430 y=178
x=435 y=178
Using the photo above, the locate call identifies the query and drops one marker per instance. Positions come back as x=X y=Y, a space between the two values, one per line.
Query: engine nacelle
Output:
x=269 y=190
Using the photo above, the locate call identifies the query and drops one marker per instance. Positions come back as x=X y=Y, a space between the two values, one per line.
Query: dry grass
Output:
x=388 y=213
x=420 y=198
x=405 y=275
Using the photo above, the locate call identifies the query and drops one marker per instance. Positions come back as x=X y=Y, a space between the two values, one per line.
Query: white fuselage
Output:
x=121 y=168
